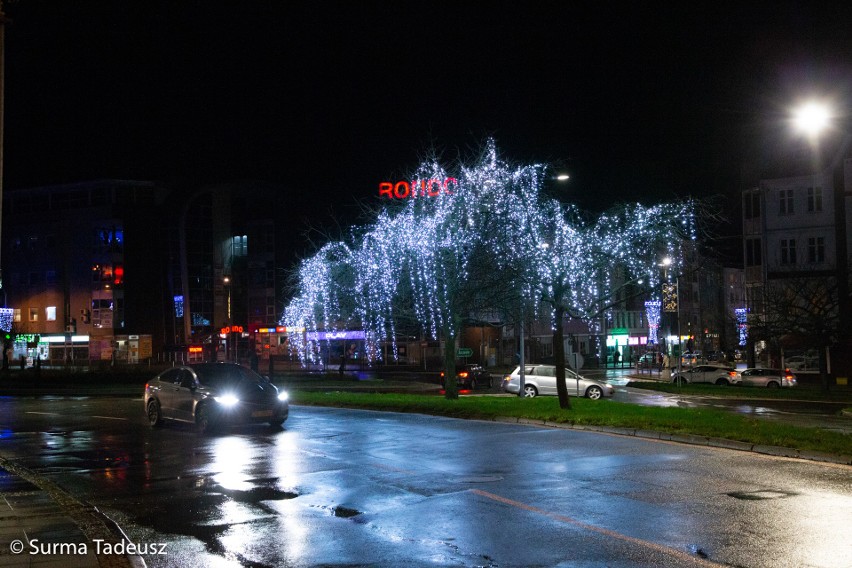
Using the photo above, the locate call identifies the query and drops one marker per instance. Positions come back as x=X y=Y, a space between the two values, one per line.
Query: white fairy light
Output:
x=412 y=259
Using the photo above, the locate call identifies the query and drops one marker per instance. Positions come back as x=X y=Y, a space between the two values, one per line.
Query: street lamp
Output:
x=813 y=118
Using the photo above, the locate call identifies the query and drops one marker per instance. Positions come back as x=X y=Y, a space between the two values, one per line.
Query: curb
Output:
x=92 y=523
x=777 y=451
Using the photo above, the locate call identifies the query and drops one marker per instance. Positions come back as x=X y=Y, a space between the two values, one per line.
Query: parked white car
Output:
x=541 y=380
x=714 y=374
x=762 y=377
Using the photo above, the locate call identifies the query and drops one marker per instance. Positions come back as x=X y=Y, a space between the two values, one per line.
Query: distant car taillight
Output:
x=463 y=374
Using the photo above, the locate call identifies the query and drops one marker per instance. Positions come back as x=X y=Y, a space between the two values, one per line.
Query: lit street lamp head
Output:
x=812 y=118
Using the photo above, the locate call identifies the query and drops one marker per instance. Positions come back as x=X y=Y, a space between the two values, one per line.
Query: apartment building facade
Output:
x=796 y=238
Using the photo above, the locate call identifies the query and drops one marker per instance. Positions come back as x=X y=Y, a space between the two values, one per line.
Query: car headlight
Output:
x=226 y=400
x=283 y=396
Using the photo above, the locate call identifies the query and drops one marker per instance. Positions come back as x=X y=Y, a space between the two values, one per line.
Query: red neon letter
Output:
x=398 y=193
x=447 y=182
x=386 y=188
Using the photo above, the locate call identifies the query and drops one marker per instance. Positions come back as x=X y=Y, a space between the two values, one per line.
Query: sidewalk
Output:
x=42 y=526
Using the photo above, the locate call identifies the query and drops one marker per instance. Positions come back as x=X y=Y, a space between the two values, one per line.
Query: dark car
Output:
x=214 y=394
x=471 y=377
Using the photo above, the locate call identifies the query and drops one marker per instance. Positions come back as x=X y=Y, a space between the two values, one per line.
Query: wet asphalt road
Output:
x=357 y=488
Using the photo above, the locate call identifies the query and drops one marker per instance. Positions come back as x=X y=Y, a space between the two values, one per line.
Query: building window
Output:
x=753 y=255
x=785 y=203
x=109 y=239
x=33 y=314
x=814 y=199
x=816 y=250
x=239 y=245
x=102 y=313
x=50 y=313
x=17 y=316
x=788 y=251
x=751 y=205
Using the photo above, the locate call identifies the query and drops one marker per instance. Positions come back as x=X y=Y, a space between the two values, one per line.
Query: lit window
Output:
x=50 y=313
x=17 y=316
x=33 y=314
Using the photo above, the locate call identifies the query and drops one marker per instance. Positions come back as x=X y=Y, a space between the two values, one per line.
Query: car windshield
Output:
x=215 y=375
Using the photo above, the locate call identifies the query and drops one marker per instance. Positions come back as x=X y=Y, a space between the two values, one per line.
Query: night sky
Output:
x=327 y=99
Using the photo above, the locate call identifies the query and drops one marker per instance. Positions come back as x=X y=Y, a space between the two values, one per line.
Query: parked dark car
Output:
x=210 y=395
x=471 y=377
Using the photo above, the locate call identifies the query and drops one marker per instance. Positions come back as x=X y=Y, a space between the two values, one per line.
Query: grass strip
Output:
x=800 y=392
x=698 y=422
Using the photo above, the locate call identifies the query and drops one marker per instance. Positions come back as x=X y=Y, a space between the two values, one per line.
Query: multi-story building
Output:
x=126 y=270
x=81 y=270
x=796 y=236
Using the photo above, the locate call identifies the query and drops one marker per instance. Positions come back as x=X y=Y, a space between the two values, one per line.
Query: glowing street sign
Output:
x=327 y=335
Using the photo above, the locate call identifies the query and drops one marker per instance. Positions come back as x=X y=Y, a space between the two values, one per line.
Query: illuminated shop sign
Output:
x=231 y=329
x=196 y=349
x=415 y=188
x=328 y=335
x=280 y=329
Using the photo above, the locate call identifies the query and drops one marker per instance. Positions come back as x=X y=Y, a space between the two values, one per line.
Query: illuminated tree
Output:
x=488 y=241
x=583 y=270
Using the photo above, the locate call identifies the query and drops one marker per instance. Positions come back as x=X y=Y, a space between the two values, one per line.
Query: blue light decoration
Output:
x=7 y=316
x=179 y=306
x=742 y=324
x=652 y=312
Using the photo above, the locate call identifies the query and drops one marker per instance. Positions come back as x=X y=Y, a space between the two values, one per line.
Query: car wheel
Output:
x=277 y=422
x=203 y=420
x=722 y=382
x=530 y=391
x=773 y=385
x=594 y=392
x=155 y=417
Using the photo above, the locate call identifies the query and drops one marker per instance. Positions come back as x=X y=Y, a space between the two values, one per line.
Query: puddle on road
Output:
x=196 y=509
x=345 y=512
x=760 y=495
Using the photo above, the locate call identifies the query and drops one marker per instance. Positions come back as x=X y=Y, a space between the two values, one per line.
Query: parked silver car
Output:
x=541 y=380
x=713 y=374
x=763 y=377
x=213 y=394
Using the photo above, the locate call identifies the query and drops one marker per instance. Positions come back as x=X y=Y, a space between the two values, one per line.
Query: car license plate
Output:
x=261 y=413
